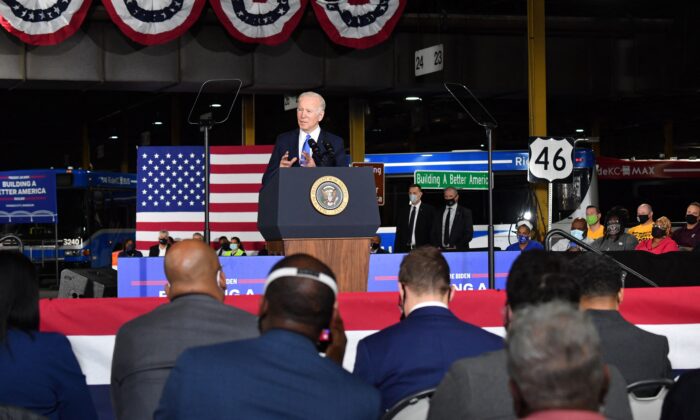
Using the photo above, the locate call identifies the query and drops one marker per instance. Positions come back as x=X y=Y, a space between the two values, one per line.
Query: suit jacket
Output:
x=289 y=142
x=424 y=226
x=638 y=354
x=40 y=373
x=415 y=354
x=147 y=347
x=477 y=388
x=154 y=251
x=462 y=229
x=277 y=376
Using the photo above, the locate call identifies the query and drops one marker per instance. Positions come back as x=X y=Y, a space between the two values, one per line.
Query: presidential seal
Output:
x=329 y=195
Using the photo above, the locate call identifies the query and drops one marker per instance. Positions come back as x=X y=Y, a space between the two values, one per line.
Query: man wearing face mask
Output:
x=595 y=228
x=615 y=238
x=414 y=223
x=578 y=231
x=525 y=242
x=161 y=247
x=452 y=227
x=645 y=216
x=688 y=237
x=147 y=347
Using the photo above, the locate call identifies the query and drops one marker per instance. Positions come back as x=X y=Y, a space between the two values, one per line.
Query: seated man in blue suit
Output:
x=279 y=375
x=415 y=354
x=298 y=147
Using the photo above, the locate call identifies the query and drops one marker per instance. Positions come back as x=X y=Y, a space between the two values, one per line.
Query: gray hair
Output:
x=554 y=357
x=165 y=232
x=315 y=95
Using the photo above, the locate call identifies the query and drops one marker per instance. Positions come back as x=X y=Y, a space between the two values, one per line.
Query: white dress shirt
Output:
x=413 y=231
x=428 y=303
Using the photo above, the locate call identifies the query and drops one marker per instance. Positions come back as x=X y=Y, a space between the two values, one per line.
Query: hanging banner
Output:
x=358 y=23
x=619 y=169
x=42 y=22
x=28 y=197
x=268 y=22
x=149 y=22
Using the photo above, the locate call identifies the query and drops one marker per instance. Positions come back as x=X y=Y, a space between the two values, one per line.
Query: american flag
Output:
x=171 y=192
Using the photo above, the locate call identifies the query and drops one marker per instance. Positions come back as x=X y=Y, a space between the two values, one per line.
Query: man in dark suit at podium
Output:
x=415 y=222
x=298 y=147
x=453 y=227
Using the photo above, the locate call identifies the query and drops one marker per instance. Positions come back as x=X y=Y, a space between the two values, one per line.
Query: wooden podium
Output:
x=329 y=213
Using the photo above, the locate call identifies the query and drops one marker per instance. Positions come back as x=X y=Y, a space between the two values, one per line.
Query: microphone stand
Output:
x=489 y=123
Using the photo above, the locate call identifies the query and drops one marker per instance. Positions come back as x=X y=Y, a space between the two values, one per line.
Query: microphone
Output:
x=317 y=156
x=330 y=153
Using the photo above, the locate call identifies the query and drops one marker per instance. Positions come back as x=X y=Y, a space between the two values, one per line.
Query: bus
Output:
x=95 y=211
x=513 y=197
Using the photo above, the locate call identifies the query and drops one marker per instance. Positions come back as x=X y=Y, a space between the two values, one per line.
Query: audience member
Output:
x=661 y=242
x=615 y=238
x=130 y=250
x=414 y=354
x=453 y=227
x=554 y=362
x=525 y=242
x=638 y=354
x=147 y=347
x=280 y=374
x=477 y=387
x=375 y=245
x=645 y=217
x=578 y=231
x=415 y=222
x=39 y=371
x=688 y=236
x=198 y=236
x=682 y=402
x=224 y=247
x=595 y=229
x=160 y=249
x=237 y=249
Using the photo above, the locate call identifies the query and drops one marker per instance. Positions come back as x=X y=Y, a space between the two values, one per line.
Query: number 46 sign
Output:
x=550 y=159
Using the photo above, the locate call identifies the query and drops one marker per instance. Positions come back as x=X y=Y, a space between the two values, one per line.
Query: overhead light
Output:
x=579 y=130
x=481 y=145
x=527 y=215
x=157 y=122
x=215 y=105
x=413 y=98
x=113 y=137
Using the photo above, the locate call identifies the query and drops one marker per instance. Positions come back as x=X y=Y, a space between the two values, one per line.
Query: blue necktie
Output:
x=306 y=149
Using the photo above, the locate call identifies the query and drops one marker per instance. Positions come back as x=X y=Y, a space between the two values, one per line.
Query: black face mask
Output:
x=226 y=246
x=657 y=232
x=643 y=218
x=691 y=219
x=375 y=246
x=450 y=202
x=162 y=241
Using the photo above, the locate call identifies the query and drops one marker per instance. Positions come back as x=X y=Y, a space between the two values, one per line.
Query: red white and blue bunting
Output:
x=351 y=23
x=358 y=23
x=42 y=22
x=268 y=22
x=151 y=22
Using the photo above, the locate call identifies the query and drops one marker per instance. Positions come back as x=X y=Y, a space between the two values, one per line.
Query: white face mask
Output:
x=413 y=198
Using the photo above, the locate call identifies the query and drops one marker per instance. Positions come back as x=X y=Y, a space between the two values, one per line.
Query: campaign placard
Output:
x=28 y=197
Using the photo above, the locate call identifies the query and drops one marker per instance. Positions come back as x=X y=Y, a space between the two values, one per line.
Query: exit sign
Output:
x=462 y=180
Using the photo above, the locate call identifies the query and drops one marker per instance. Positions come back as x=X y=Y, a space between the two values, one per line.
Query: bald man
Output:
x=147 y=347
x=279 y=375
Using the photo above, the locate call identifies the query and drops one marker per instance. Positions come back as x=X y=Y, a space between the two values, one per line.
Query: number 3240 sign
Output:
x=550 y=159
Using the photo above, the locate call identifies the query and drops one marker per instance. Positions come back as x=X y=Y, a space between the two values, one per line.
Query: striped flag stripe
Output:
x=234 y=188
x=234 y=207
x=233 y=198
x=243 y=178
x=238 y=169
x=240 y=159
x=152 y=236
x=225 y=217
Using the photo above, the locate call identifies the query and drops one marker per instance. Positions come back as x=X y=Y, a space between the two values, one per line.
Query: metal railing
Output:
x=625 y=268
